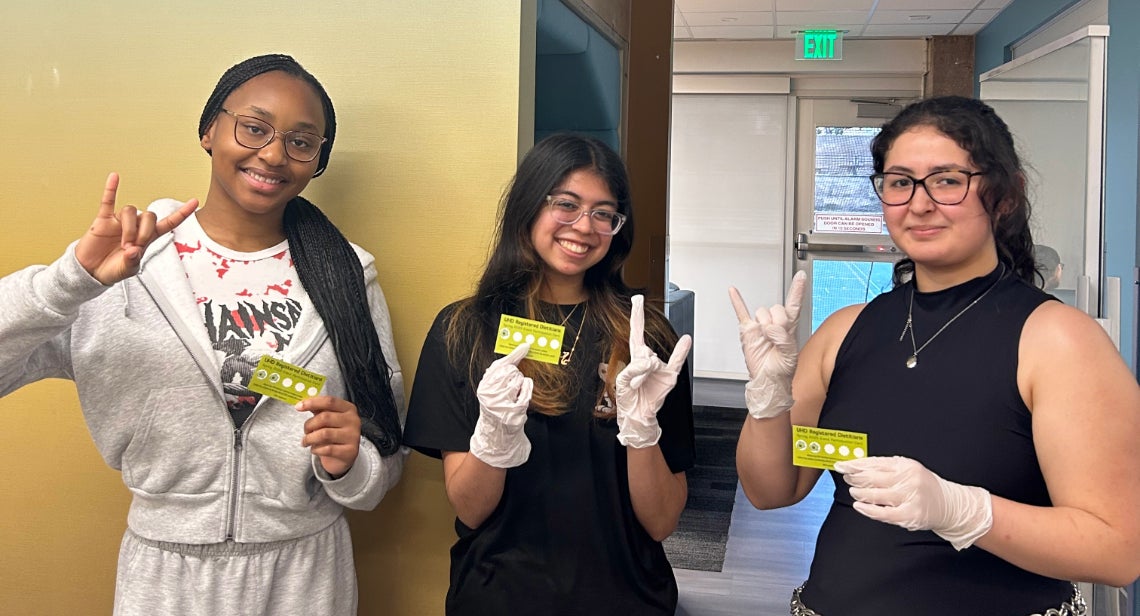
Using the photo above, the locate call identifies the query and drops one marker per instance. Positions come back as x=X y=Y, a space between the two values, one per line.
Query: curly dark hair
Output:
x=976 y=128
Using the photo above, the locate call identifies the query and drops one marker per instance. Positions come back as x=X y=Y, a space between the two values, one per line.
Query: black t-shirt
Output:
x=960 y=414
x=564 y=538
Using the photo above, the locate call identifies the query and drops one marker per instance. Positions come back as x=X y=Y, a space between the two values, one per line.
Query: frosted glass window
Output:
x=727 y=195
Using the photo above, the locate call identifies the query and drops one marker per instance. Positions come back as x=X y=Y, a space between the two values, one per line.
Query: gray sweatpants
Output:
x=312 y=575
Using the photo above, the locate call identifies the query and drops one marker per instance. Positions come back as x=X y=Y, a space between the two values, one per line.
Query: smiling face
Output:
x=567 y=251
x=949 y=244
x=248 y=184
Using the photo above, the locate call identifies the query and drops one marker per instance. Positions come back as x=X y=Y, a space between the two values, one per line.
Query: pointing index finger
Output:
x=515 y=356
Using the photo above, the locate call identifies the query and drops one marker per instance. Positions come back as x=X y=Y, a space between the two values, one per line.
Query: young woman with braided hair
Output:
x=160 y=318
x=565 y=477
x=1000 y=424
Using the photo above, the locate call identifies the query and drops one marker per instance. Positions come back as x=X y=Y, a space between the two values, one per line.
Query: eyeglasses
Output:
x=568 y=212
x=943 y=187
x=255 y=133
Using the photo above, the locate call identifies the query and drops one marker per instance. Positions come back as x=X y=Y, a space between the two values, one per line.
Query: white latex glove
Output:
x=901 y=491
x=504 y=395
x=770 y=350
x=641 y=386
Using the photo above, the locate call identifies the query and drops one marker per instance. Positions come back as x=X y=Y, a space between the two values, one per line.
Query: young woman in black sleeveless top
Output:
x=1000 y=425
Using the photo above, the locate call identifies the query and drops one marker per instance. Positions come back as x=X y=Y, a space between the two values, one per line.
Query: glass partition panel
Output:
x=1052 y=101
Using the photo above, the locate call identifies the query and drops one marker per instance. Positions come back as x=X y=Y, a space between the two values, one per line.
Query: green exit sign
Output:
x=819 y=45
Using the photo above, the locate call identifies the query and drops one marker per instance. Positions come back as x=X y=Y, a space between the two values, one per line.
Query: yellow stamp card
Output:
x=284 y=381
x=822 y=448
x=545 y=338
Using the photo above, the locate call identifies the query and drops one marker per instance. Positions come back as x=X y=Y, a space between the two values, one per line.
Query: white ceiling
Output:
x=774 y=19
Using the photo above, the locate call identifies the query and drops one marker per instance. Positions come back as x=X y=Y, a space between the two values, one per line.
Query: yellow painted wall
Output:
x=427 y=96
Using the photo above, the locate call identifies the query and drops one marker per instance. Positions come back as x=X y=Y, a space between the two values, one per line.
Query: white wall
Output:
x=727 y=181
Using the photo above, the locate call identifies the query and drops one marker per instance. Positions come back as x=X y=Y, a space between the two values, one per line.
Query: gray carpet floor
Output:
x=700 y=539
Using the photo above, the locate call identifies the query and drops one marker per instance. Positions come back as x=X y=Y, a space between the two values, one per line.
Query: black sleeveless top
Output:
x=960 y=414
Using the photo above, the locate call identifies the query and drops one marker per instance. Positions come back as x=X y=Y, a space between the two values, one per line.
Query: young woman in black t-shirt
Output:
x=565 y=477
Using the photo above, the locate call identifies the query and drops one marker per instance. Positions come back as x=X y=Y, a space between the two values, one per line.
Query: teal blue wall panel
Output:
x=577 y=81
x=1122 y=235
x=1020 y=18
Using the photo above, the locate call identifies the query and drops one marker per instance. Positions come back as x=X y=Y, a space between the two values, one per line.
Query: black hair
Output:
x=328 y=269
x=515 y=274
x=543 y=168
x=978 y=130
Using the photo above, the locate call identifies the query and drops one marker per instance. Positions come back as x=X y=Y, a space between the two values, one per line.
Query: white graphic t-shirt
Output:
x=250 y=303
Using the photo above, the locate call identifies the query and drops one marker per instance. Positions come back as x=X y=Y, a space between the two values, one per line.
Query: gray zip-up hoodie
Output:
x=151 y=393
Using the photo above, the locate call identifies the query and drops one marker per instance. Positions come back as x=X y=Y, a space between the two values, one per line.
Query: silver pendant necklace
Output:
x=912 y=361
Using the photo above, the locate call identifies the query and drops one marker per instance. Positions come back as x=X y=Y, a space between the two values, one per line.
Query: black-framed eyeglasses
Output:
x=255 y=133
x=943 y=187
x=567 y=211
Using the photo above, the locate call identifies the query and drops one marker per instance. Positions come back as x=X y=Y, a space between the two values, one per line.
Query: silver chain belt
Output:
x=1075 y=606
x=798 y=607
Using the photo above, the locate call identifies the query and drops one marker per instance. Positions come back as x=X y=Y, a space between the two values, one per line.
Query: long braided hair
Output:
x=978 y=130
x=328 y=269
x=515 y=275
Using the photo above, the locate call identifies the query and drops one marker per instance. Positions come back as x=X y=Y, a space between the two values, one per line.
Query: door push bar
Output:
x=803 y=246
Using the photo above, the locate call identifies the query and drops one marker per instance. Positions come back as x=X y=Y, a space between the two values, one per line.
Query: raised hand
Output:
x=112 y=248
x=903 y=492
x=332 y=433
x=641 y=386
x=504 y=396
x=770 y=350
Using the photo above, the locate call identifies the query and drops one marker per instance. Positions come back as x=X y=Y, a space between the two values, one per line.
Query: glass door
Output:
x=840 y=238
